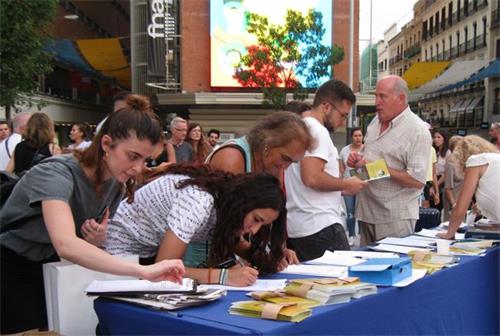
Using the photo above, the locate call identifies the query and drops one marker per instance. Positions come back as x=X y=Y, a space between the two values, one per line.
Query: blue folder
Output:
x=382 y=271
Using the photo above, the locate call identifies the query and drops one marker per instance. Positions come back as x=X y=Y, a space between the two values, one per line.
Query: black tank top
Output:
x=24 y=155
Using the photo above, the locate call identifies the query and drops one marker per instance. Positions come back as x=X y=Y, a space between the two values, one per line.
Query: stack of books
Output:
x=330 y=290
x=260 y=309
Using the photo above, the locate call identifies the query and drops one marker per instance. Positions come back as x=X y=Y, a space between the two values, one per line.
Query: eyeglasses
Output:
x=344 y=115
x=180 y=129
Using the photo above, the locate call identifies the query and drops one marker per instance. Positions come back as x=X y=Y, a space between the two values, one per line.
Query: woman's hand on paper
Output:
x=241 y=276
x=171 y=270
x=290 y=258
x=446 y=235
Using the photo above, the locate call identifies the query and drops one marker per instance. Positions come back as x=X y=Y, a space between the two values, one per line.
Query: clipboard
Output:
x=133 y=288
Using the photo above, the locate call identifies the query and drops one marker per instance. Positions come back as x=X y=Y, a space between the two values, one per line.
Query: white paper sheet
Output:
x=366 y=254
x=415 y=275
x=406 y=241
x=259 y=285
x=316 y=270
x=334 y=258
x=396 y=248
x=433 y=233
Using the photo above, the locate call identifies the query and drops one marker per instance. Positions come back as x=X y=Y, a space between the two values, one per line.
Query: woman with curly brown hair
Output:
x=197 y=140
x=38 y=143
x=480 y=162
x=190 y=204
x=59 y=209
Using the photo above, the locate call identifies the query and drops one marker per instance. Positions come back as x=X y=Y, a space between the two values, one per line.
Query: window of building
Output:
x=437 y=50
x=431 y=26
x=466 y=31
x=443 y=44
x=458 y=43
x=484 y=31
x=443 y=15
x=430 y=51
x=474 y=34
x=466 y=8
x=498 y=48
x=426 y=58
x=450 y=13
x=458 y=10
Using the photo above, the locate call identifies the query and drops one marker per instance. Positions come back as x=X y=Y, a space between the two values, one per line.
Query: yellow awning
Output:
x=106 y=56
x=422 y=72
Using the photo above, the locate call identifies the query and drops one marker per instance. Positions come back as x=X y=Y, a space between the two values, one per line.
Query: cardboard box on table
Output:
x=382 y=271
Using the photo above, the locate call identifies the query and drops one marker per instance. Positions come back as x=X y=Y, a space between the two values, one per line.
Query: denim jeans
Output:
x=350 y=204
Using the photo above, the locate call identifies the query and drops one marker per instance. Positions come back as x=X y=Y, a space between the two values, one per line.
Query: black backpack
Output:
x=8 y=180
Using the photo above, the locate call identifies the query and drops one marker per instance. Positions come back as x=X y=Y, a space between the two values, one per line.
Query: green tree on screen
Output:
x=24 y=27
x=284 y=51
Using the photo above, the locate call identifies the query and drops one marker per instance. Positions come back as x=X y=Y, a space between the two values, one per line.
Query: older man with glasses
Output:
x=314 y=184
x=389 y=207
x=183 y=150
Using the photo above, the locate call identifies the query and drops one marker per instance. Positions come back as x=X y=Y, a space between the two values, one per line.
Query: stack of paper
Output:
x=431 y=261
x=134 y=287
x=281 y=297
x=366 y=254
x=396 y=248
x=174 y=301
x=330 y=290
x=260 y=309
x=316 y=270
x=334 y=258
x=259 y=285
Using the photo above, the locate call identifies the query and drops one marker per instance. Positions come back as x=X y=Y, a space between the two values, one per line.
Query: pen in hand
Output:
x=239 y=260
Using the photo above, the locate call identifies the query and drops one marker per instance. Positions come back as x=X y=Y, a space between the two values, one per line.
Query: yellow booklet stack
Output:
x=330 y=290
x=431 y=261
x=260 y=309
x=280 y=297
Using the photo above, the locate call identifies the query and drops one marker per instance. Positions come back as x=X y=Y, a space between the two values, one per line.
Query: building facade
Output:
x=461 y=30
x=383 y=52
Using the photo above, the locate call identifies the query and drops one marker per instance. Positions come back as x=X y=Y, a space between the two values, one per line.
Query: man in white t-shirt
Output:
x=8 y=145
x=314 y=187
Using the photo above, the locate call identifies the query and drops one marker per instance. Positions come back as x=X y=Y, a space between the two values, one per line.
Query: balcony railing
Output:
x=412 y=51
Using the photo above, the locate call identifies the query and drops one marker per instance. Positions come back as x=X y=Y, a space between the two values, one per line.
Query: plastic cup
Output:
x=443 y=247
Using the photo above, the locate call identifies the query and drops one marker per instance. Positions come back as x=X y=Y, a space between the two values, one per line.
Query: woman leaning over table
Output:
x=195 y=204
x=276 y=141
x=55 y=209
x=480 y=161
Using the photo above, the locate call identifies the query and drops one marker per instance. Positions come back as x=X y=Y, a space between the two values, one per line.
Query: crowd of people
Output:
x=223 y=213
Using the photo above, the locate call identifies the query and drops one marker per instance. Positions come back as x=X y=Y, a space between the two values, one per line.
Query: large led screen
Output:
x=229 y=36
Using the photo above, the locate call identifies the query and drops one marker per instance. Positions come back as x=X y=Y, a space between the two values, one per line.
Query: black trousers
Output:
x=22 y=293
x=314 y=246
